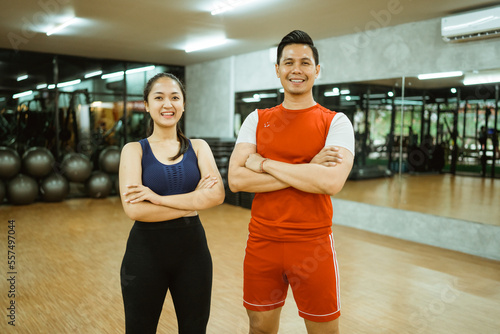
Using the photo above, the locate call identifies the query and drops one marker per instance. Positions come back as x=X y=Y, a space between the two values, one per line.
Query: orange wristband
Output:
x=262 y=166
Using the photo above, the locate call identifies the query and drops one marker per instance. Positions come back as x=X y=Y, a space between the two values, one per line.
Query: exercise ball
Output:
x=54 y=188
x=37 y=162
x=109 y=159
x=10 y=162
x=76 y=167
x=99 y=185
x=2 y=191
x=22 y=189
x=116 y=184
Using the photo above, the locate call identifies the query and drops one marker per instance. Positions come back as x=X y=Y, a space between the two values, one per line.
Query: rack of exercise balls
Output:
x=35 y=175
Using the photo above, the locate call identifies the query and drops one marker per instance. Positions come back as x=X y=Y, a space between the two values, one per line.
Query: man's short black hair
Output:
x=297 y=37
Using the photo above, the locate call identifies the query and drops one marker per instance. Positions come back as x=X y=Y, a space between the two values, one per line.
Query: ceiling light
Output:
x=254 y=98
x=22 y=77
x=227 y=5
x=205 y=45
x=453 y=90
x=41 y=86
x=334 y=92
x=485 y=77
x=18 y=95
x=103 y=105
x=374 y=96
x=51 y=86
x=405 y=101
x=440 y=75
x=61 y=26
x=93 y=74
x=345 y=92
x=267 y=95
x=112 y=75
x=69 y=83
x=140 y=69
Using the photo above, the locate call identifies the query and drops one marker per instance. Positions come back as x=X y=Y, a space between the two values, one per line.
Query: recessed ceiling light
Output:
x=112 y=75
x=69 y=83
x=485 y=77
x=61 y=26
x=205 y=45
x=93 y=74
x=440 y=75
x=18 y=95
x=140 y=69
x=227 y=5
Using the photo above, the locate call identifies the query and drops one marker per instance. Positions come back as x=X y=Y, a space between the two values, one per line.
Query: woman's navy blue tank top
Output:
x=179 y=178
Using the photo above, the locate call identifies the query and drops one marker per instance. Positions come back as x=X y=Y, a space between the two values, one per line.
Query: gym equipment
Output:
x=369 y=172
x=115 y=188
x=109 y=159
x=2 y=191
x=99 y=185
x=54 y=188
x=10 y=162
x=22 y=190
x=76 y=167
x=37 y=162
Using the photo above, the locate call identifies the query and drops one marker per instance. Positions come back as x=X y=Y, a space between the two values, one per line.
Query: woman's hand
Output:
x=206 y=182
x=329 y=156
x=138 y=193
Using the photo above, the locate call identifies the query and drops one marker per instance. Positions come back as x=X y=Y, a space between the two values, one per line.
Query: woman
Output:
x=164 y=180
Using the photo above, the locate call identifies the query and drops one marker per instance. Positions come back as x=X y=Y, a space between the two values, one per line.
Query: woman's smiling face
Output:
x=165 y=102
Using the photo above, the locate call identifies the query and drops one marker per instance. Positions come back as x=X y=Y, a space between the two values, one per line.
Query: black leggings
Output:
x=171 y=255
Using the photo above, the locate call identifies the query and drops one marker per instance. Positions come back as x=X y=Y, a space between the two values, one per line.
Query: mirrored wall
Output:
x=72 y=104
x=409 y=125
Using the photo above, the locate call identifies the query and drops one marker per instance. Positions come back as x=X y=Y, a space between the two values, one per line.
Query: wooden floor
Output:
x=68 y=257
x=473 y=199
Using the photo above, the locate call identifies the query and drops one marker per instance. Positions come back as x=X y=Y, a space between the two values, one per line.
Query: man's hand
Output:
x=329 y=156
x=254 y=162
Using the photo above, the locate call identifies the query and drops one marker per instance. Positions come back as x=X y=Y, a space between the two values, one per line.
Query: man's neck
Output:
x=298 y=102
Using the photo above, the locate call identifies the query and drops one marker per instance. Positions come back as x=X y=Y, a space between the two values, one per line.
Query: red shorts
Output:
x=309 y=267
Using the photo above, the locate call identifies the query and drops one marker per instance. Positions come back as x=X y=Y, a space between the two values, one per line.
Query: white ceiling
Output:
x=158 y=31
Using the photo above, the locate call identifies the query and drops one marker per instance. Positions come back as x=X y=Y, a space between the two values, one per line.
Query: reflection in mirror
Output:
x=411 y=125
x=72 y=104
x=79 y=110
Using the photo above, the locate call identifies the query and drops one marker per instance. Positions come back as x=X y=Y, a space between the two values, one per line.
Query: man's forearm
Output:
x=244 y=179
x=311 y=178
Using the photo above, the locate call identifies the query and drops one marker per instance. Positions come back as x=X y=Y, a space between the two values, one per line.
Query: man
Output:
x=294 y=157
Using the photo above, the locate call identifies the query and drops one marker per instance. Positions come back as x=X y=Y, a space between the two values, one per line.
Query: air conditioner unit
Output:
x=484 y=23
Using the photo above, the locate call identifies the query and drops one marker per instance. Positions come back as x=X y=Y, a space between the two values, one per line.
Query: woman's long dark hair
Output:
x=182 y=138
